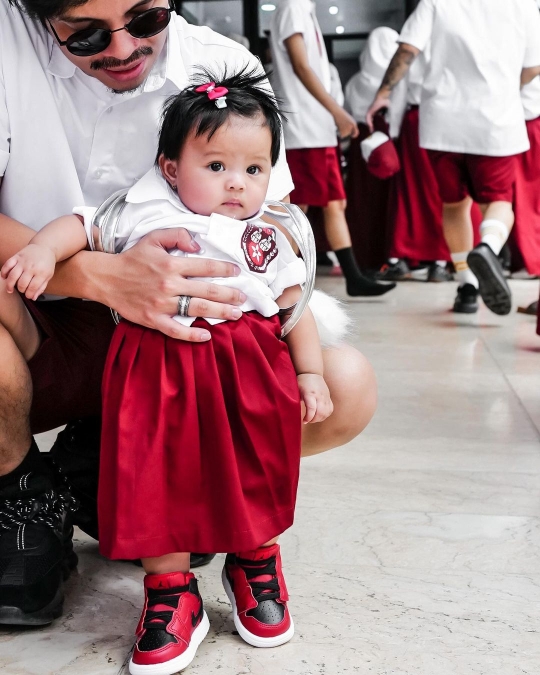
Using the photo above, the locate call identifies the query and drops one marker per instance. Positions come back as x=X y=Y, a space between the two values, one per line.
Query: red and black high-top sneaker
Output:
x=254 y=582
x=172 y=626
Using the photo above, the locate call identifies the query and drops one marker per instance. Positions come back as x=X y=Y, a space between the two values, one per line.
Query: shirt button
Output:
x=98 y=173
x=202 y=251
x=109 y=110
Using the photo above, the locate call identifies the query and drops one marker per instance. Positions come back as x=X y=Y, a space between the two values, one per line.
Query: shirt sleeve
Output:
x=532 y=28
x=419 y=26
x=290 y=19
x=5 y=134
x=291 y=270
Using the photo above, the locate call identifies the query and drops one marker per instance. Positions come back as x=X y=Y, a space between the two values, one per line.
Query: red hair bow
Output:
x=212 y=91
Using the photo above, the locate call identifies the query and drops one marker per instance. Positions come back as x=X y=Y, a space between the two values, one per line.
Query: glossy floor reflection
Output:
x=416 y=548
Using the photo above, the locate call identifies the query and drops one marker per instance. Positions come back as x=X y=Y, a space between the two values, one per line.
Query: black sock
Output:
x=348 y=263
x=357 y=284
x=32 y=462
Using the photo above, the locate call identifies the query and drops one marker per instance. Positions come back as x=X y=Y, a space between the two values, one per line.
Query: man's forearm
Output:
x=399 y=66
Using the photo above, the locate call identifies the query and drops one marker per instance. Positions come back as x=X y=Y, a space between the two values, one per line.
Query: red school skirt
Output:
x=526 y=232
x=200 y=441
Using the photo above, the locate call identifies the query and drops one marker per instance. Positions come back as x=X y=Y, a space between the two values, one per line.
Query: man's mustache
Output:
x=110 y=62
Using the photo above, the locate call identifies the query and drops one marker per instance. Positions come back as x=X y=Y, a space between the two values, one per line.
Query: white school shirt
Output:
x=268 y=265
x=471 y=94
x=66 y=139
x=308 y=124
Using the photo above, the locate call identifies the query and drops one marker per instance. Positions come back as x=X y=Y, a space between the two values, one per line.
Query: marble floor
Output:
x=416 y=549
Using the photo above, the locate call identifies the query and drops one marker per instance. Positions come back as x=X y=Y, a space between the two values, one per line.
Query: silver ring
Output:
x=183 y=305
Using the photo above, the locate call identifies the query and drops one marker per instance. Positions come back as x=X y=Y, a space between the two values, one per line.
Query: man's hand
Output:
x=29 y=270
x=316 y=397
x=346 y=124
x=144 y=284
x=382 y=101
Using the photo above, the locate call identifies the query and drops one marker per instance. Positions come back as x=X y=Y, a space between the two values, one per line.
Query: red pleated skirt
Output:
x=200 y=441
x=526 y=231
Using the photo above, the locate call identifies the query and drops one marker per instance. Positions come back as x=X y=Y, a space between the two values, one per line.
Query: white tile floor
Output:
x=416 y=548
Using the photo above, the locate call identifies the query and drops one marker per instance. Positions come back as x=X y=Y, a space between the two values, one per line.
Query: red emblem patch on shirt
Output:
x=259 y=246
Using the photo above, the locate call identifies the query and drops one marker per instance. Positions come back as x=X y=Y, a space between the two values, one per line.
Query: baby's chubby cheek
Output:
x=196 y=198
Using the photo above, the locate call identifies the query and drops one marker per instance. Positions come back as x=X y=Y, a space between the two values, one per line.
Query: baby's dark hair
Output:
x=191 y=110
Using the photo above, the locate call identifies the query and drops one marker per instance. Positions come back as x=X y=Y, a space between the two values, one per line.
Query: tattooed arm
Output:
x=398 y=68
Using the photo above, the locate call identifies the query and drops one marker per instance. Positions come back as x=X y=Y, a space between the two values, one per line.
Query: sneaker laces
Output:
x=49 y=509
x=255 y=571
x=159 y=619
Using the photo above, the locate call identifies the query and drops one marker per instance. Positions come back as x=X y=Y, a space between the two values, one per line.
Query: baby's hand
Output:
x=29 y=270
x=316 y=397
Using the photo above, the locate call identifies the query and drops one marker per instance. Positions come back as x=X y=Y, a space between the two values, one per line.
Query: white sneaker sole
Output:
x=180 y=662
x=253 y=640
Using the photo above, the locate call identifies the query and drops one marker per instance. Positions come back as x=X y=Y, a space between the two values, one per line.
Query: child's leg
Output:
x=165 y=564
x=17 y=321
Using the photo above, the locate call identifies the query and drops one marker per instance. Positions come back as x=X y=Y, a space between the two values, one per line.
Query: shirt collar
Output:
x=59 y=64
x=152 y=186
x=170 y=65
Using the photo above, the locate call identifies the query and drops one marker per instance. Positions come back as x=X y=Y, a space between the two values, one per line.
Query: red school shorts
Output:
x=485 y=179
x=316 y=173
x=68 y=367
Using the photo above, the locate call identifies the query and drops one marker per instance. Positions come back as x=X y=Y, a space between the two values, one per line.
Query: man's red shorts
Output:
x=68 y=367
x=485 y=179
x=316 y=173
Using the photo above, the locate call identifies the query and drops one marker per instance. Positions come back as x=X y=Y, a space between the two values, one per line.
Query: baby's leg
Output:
x=173 y=562
x=16 y=319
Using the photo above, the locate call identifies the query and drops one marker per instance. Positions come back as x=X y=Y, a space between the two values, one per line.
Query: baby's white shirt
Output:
x=268 y=265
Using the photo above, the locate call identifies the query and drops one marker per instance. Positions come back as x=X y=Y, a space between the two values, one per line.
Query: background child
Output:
x=201 y=442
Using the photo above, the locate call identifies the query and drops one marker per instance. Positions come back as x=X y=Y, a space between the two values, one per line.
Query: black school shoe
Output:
x=494 y=288
x=466 y=300
x=36 y=550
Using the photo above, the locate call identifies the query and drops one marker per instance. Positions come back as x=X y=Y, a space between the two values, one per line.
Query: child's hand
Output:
x=316 y=397
x=29 y=270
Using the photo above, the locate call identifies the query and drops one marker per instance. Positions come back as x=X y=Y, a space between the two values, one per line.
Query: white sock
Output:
x=463 y=272
x=494 y=233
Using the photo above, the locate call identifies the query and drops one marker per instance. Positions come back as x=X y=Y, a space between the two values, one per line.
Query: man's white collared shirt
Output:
x=66 y=139
x=267 y=262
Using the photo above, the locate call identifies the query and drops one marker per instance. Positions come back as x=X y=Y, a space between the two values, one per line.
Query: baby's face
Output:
x=227 y=174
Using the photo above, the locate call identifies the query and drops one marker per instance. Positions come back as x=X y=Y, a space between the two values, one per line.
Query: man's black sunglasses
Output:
x=91 y=41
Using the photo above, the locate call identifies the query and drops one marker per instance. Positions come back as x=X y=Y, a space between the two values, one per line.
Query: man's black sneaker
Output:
x=36 y=551
x=466 y=300
x=494 y=288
